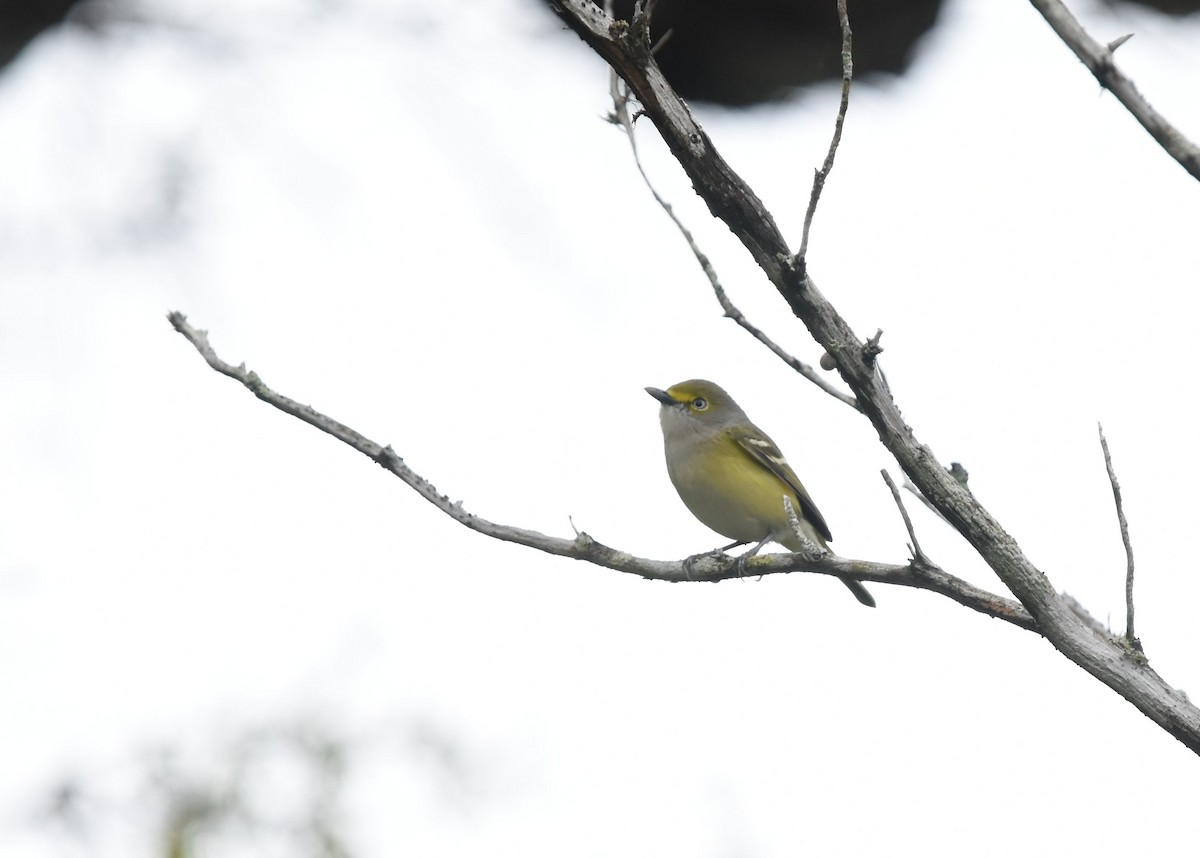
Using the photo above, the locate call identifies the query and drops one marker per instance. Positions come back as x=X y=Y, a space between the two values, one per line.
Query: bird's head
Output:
x=696 y=403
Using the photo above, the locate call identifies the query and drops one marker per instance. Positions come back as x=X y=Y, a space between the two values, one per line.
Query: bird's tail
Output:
x=860 y=592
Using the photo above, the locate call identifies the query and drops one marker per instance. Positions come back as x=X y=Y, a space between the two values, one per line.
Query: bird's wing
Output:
x=764 y=451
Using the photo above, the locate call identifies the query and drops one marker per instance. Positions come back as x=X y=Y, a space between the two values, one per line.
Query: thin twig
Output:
x=620 y=116
x=795 y=363
x=1130 y=637
x=1099 y=60
x=819 y=176
x=707 y=567
x=915 y=548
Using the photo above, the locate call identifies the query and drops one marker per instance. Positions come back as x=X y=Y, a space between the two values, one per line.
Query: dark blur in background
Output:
x=731 y=53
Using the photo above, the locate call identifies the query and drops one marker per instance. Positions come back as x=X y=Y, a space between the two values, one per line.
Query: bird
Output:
x=732 y=476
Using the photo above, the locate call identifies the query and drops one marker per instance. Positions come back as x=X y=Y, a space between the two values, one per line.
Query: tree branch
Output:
x=1099 y=60
x=1130 y=637
x=626 y=48
x=915 y=548
x=620 y=116
x=706 y=567
x=819 y=176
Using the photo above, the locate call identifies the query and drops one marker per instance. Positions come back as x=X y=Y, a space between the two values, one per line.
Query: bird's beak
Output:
x=661 y=395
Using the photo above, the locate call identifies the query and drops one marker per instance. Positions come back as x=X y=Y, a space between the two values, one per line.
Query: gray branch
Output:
x=706 y=567
x=620 y=116
x=915 y=547
x=625 y=47
x=1130 y=637
x=820 y=175
x=1099 y=60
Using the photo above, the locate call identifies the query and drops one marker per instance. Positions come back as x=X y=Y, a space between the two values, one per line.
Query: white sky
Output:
x=413 y=218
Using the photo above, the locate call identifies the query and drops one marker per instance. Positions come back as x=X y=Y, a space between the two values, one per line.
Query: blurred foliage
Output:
x=279 y=789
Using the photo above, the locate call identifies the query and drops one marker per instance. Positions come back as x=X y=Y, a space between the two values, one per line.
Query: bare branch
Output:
x=918 y=554
x=731 y=200
x=1099 y=60
x=705 y=567
x=960 y=473
x=819 y=176
x=620 y=116
x=798 y=365
x=1130 y=637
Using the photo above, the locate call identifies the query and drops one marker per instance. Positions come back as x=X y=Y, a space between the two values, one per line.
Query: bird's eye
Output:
x=699 y=403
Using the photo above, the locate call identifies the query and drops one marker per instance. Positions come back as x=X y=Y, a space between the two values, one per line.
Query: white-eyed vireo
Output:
x=731 y=475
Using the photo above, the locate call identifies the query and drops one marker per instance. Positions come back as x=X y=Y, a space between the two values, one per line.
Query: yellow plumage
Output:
x=730 y=474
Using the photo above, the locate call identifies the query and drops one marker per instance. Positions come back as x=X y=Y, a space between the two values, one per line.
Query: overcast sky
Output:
x=414 y=219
